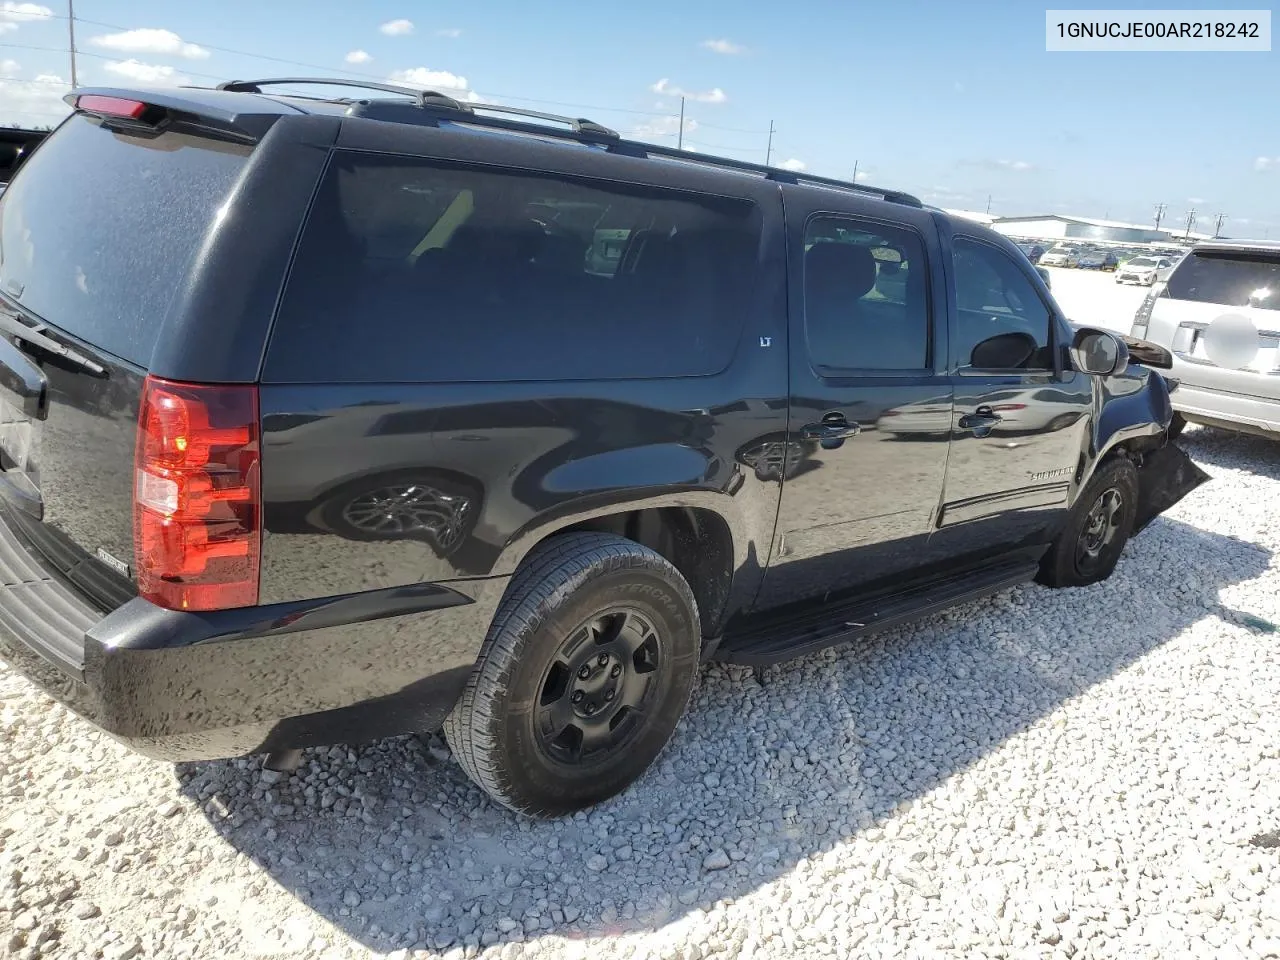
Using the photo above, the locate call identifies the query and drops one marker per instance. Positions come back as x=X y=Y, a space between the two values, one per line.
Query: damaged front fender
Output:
x=1165 y=477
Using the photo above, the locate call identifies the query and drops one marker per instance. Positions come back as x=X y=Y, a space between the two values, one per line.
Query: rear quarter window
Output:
x=98 y=229
x=420 y=270
x=1233 y=279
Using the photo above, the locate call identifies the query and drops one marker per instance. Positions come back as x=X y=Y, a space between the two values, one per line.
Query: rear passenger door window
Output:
x=412 y=269
x=1003 y=324
x=865 y=297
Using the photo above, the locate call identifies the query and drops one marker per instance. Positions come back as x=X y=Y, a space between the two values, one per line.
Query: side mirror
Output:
x=1099 y=353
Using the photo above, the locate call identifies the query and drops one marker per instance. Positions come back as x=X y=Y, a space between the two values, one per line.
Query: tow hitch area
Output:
x=1167 y=475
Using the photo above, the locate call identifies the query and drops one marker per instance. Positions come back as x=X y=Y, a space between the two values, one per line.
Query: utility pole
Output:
x=71 y=29
x=680 y=134
x=1160 y=209
x=988 y=203
x=1217 y=225
x=768 y=153
x=1191 y=221
x=855 y=173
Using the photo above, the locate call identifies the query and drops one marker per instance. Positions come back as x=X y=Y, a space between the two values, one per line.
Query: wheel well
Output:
x=696 y=542
x=1132 y=449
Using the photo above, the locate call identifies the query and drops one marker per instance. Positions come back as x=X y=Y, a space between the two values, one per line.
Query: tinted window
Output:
x=417 y=270
x=999 y=311
x=99 y=228
x=1230 y=279
x=865 y=296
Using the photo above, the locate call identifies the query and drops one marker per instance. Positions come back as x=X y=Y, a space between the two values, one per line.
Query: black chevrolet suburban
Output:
x=329 y=419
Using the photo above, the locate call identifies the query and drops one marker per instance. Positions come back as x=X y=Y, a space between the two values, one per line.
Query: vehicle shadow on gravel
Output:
x=1212 y=447
x=392 y=845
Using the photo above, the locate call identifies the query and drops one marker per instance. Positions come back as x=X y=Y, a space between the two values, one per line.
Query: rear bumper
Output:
x=1218 y=407
x=187 y=686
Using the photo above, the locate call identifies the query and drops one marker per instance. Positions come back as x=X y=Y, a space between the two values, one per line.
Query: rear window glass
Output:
x=98 y=229
x=1233 y=280
x=428 y=271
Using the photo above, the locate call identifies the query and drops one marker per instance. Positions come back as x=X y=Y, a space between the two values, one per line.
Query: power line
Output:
x=51 y=83
x=362 y=74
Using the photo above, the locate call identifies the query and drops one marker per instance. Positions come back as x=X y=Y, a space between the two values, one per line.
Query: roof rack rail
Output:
x=777 y=173
x=255 y=86
x=434 y=101
x=578 y=129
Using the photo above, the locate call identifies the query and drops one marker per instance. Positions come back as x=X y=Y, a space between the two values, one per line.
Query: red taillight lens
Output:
x=111 y=106
x=197 y=505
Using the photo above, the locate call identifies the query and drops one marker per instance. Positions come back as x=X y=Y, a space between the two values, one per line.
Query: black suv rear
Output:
x=327 y=420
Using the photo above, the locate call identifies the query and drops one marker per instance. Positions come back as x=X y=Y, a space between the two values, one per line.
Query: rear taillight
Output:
x=1143 y=317
x=197 y=516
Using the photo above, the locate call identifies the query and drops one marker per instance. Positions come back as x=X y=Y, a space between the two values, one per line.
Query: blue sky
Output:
x=955 y=102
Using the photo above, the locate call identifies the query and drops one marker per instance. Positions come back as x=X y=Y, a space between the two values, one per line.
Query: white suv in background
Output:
x=1219 y=315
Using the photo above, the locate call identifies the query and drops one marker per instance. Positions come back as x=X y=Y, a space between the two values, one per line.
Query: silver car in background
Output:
x=1060 y=257
x=1219 y=315
x=1145 y=270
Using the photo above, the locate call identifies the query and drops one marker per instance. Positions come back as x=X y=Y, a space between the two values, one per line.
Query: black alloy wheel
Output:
x=583 y=677
x=599 y=686
x=1097 y=527
x=1101 y=528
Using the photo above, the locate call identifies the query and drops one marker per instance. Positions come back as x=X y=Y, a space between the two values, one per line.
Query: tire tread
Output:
x=552 y=570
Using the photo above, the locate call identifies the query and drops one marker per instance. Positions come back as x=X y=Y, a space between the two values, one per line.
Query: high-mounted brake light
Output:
x=110 y=106
x=197 y=517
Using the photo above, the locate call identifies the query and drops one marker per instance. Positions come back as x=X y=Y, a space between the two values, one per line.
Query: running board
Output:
x=784 y=635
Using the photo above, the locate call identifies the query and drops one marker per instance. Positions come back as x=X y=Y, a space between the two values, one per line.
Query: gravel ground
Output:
x=1071 y=773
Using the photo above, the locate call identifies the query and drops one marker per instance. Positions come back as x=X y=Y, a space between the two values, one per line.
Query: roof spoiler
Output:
x=153 y=111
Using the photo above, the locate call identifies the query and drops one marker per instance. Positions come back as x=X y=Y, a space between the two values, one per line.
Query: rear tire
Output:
x=583 y=677
x=1089 y=546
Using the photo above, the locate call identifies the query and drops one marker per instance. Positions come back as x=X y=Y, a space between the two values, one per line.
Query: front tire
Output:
x=1089 y=546
x=583 y=677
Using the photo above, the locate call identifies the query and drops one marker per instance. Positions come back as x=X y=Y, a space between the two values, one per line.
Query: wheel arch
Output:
x=698 y=540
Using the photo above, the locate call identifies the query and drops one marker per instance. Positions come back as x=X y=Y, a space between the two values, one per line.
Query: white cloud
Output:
x=861 y=175
x=397 y=28
x=11 y=12
x=727 y=47
x=10 y=68
x=1266 y=163
x=442 y=80
x=452 y=33
x=6 y=27
x=792 y=164
x=34 y=102
x=357 y=56
x=668 y=89
x=664 y=127
x=1016 y=166
x=1195 y=200
x=160 y=75
x=151 y=40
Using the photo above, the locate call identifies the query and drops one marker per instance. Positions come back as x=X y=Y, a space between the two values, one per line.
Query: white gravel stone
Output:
x=1078 y=773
